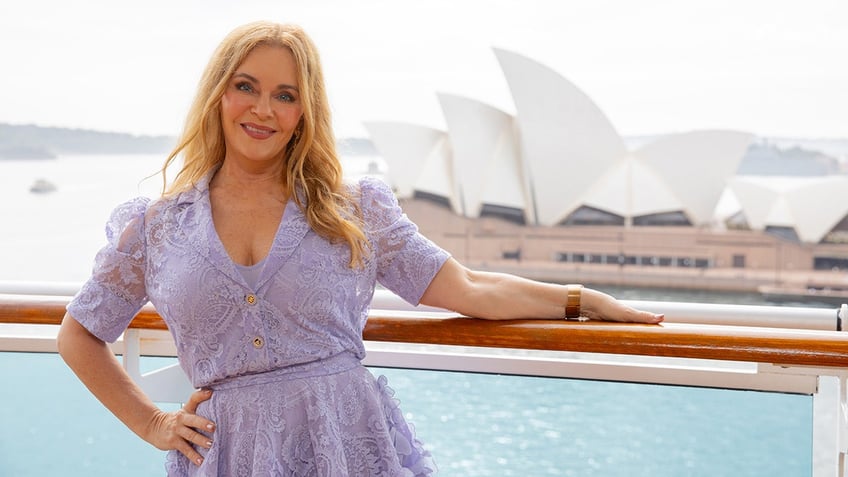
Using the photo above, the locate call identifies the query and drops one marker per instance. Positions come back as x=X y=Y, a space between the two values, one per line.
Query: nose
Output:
x=262 y=107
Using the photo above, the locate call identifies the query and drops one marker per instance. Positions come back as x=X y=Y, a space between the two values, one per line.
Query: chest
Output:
x=246 y=230
x=306 y=283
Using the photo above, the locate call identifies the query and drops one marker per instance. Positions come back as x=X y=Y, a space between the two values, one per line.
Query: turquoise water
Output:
x=475 y=425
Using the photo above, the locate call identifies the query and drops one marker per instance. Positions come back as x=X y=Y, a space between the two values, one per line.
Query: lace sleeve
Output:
x=406 y=260
x=115 y=292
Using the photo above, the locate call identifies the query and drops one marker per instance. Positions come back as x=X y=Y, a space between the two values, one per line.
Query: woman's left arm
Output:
x=500 y=296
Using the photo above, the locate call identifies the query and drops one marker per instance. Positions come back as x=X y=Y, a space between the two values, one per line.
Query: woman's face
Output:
x=261 y=106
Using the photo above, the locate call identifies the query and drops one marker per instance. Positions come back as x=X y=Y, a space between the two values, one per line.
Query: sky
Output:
x=775 y=68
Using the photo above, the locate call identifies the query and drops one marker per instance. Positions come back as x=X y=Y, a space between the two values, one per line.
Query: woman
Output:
x=263 y=264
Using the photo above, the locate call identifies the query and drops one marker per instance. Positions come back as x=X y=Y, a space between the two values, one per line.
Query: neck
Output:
x=250 y=181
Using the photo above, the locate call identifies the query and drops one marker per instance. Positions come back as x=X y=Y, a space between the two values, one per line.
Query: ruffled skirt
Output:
x=346 y=423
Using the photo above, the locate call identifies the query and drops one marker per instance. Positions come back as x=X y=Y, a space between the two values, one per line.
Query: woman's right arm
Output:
x=96 y=366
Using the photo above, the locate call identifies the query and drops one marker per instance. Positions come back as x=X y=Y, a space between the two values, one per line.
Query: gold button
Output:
x=257 y=342
x=250 y=299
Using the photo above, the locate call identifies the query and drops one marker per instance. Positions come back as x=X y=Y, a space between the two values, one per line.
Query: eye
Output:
x=285 y=98
x=244 y=86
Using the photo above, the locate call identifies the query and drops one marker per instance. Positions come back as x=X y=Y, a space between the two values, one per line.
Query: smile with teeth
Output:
x=256 y=131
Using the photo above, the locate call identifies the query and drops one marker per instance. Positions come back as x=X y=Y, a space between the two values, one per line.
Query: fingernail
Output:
x=210 y=426
x=208 y=443
x=199 y=460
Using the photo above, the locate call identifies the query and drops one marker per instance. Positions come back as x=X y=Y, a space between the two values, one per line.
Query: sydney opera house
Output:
x=555 y=192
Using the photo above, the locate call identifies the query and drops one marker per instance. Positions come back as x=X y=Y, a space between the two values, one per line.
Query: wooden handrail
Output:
x=785 y=347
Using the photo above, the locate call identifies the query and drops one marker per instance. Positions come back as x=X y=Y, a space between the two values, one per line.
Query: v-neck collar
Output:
x=290 y=233
x=197 y=224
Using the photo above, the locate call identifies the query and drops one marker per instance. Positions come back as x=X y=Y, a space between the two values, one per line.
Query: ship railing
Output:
x=765 y=348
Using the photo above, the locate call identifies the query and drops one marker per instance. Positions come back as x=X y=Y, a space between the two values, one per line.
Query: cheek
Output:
x=232 y=106
x=289 y=117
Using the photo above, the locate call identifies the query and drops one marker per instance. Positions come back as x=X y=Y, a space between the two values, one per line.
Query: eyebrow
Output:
x=279 y=86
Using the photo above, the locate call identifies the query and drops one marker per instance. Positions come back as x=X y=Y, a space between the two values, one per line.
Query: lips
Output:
x=256 y=131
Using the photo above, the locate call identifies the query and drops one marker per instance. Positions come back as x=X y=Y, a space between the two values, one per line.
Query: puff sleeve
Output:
x=406 y=261
x=116 y=291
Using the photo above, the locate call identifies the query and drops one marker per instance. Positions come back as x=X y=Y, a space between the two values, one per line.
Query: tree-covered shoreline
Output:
x=766 y=156
x=41 y=142
x=29 y=141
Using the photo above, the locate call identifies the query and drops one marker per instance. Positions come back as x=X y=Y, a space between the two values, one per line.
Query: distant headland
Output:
x=30 y=141
x=767 y=156
x=38 y=142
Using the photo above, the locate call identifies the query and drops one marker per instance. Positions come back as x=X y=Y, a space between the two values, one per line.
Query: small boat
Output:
x=42 y=186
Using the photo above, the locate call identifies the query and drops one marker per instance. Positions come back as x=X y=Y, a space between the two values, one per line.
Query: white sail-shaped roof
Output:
x=486 y=160
x=695 y=166
x=804 y=203
x=756 y=197
x=629 y=188
x=566 y=141
x=418 y=159
x=819 y=207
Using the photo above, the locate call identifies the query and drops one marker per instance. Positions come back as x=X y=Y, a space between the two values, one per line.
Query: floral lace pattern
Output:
x=343 y=423
x=309 y=407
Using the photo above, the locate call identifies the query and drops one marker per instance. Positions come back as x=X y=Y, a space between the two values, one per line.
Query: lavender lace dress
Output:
x=291 y=396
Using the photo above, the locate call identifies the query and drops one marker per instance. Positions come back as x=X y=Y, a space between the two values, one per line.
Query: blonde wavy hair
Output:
x=312 y=164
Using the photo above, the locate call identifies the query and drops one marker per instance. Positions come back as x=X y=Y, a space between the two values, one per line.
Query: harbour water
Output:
x=475 y=425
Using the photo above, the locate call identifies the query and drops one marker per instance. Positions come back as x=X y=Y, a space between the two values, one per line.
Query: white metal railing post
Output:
x=167 y=384
x=132 y=354
x=842 y=423
x=842 y=407
x=830 y=424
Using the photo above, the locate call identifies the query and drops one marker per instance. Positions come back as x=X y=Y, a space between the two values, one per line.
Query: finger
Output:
x=188 y=416
x=654 y=317
x=190 y=453
x=623 y=313
x=638 y=316
x=194 y=437
x=193 y=421
x=196 y=398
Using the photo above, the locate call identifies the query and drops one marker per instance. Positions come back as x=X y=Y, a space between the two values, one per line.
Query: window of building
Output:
x=591 y=216
x=677 y=218
x=830 y=263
